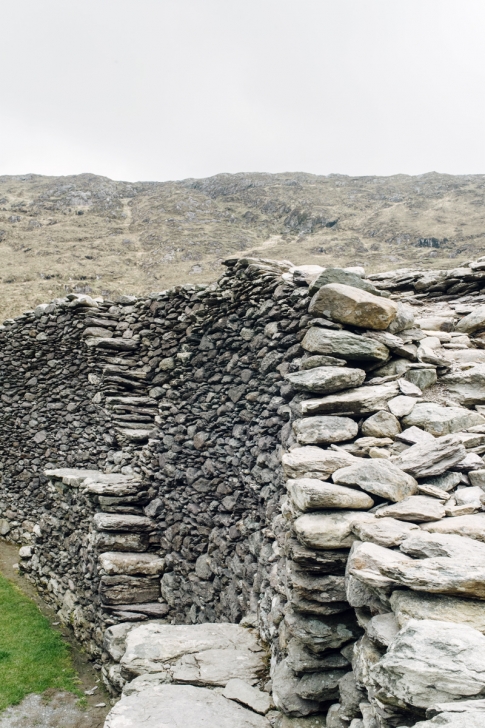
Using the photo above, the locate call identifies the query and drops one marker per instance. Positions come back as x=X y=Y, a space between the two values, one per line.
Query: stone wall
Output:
x=292 y=449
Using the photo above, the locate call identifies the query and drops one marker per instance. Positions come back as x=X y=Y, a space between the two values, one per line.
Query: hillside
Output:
x=87 y=233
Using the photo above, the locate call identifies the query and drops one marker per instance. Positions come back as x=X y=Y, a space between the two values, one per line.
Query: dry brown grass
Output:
x=143 y=237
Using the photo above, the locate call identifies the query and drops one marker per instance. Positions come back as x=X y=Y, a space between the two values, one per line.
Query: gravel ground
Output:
x=51 y=710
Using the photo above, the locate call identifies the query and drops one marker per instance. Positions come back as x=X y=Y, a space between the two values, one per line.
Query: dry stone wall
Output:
x=294 y=450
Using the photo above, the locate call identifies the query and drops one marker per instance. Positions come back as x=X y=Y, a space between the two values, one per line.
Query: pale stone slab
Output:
x=467 y=385
x=310 y=494
x=349 y=305
x=401 y=405
x=431 y=661
x=122 y=522
x=324 y=430
x=114 y=562
x=387 y=532
x=472 y=526
x=382 y=424
x=473 y=322
x=370 y=563
x=360 y=401
x=328 y=530
x=416 y=508
x=245 y=694
x=322 y=463
x=325 y=380
x=345 y=344
x=431 y=458
x=440 y=420
x=181 y=706
x=382 y=629
x=379 y=477
x=408 y=605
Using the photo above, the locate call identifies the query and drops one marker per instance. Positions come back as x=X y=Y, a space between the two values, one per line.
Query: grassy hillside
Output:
x=92 y=234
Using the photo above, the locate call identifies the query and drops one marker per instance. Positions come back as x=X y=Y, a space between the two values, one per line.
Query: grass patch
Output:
x=33 y=657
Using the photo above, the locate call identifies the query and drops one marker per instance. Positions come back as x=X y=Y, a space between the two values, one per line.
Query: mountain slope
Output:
x=90 y=233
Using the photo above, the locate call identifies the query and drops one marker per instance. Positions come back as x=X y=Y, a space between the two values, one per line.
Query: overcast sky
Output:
x=168 y=89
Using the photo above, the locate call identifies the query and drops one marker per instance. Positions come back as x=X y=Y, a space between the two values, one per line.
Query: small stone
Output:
x=421 y=378
x=324 y=430
x=472 y=526
x=408 y=388
x=126 y=563
x=401 y=406
x=467 y=385
x=353 y=306
x=382 y=629
x=245 y=694
x=382 y=424
x=344 y=276
x=414 y=435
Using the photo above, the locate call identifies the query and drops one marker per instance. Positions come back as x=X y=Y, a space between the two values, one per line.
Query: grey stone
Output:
x=366 y=655
x=382 y=424
x=372 y=565
x=475 y=321
x=320 y=686
x=415 y=435
x=324 y=430
x=119 y=541
x=301 y=660
x=311 y=721
x=351 y=695
x=387 y=532
x=114 y=640
x=472 y=526
x=302 y=461
x=360 y=401
x=122 y=589
x=408 y=605
x=131 y=563
x=353 y=306
x=439 y=420
x=417 y=508
x=319 y=635
x=247 y=695
x=311 y=494
x=340 y=275
x=404 y=319
x=320 y=360
x=328 y=530
x=447 y=481
x=325 y=380
x=401 y=405
x=122 y=522
x=379 y=477
x=180 y=706
x=467 y=385
x=382 y=629
x=431 y=458
x=285 y=693
x=344 y=344
x=422 y=378
x=432 y=661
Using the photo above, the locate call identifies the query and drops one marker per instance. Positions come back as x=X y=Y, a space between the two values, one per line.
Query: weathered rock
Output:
x=415 y=435
x=320 y=686
x=311 y=494
x=417 y=508
x=370 y=563
x=469 y=718
x=180 y=705
x=432 y=661
x=431 y=458
x=408 y=605
x=382 y=629
x=447 y=481
x=325 y=380
x=344 y=344
x=72 y=476
x=439 y=420
x=247 y=695
x=340 y=275
x=131 y=563
x=387 y=532
x=475 y=321
x=114 y=640
x=366 y=655
x=320 y=360
x=382 y=424
x=220 y=652
x=422 y=544
x=122 y=522
x=349 y=305
x=472 y=526
x=121 y=541
x=467 y=385
x=122 y=589
x=351 y=695
x=311 y=721
x=324 y=430
x=379 y=477
x=301 y=660
x=477 y=478
x=327 y=530
x=319 y=635
x=422 y=378
x=304 y=461
x=362 y=401
x=314 y=561
x=401 y=405
x=286 y=695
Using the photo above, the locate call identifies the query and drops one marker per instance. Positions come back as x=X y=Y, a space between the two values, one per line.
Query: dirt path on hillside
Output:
x=54 y=709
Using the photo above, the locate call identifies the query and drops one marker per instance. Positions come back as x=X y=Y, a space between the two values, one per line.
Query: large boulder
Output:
x=349 y=305
x=431 y=661
x=377 y=476
x=325 y=380
x=350 y=347
x=360 y=401
x=324 y=430
x=180 y=706
x=439 y=420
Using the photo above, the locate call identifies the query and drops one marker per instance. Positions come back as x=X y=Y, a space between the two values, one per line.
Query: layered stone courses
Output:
x=300 y=456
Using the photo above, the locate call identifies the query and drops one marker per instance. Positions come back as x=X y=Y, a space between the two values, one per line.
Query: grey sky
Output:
x=167 y=89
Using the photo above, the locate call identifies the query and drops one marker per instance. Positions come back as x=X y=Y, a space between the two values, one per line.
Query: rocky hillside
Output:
x=90 y=234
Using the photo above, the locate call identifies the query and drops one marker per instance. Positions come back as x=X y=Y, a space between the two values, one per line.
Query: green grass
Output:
x=33 y=657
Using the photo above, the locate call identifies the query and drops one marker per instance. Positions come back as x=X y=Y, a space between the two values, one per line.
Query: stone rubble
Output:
x=260 y=502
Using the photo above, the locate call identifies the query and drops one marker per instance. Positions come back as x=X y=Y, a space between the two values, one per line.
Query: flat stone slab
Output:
x=360 y=401
x=344 y=344
x=181 y=706
x=325 y=429
x=439 y=420
x=408 y=605
x=310 y=494
x=303 y=461
x=72 y=476
x=325 y=380
x=114 y=562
